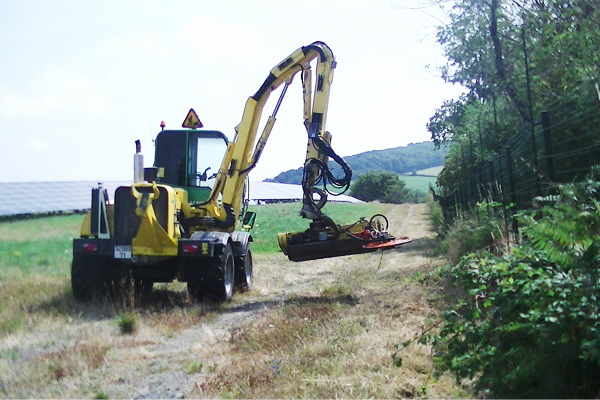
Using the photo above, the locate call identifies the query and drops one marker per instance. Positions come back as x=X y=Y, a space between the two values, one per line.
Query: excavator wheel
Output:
x=243 y=271
x=90 y=277
x=216 y=278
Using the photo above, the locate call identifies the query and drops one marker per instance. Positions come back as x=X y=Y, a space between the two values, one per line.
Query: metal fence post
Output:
x=548 y=145
x=511 y=182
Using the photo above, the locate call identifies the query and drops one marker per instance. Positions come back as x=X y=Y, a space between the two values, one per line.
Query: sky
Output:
x=80 y=81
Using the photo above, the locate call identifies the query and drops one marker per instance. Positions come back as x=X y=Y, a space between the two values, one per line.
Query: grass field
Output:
x=38 y=246
x=423 y=179
x=420 y=183
x=35 y=256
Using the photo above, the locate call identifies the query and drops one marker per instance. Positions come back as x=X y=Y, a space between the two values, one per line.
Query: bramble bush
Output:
x=528 y=323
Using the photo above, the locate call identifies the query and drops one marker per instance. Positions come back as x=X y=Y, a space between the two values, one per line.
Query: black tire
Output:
x=90 y=277
x=196 y=285
x=243 y=271
x=215 y=280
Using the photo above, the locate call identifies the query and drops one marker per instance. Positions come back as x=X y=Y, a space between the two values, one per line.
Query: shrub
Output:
x=528 y=325
x=436 y=216
x=384 y=186
x=472 y=234
x=127 y=323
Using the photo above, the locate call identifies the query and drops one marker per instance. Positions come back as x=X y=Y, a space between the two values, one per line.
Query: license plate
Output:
x=123 y=252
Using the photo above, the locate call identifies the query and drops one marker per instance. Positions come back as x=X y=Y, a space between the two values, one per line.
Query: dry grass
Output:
x=35 y=373
x=22 y=298
x=341 y=342
x=78 y=339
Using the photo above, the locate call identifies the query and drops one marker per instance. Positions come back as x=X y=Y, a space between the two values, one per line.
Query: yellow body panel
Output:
x=152 y=239
x=86 y=226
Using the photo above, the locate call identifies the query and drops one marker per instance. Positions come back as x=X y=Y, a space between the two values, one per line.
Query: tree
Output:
x=383 y=186
x=515 y=59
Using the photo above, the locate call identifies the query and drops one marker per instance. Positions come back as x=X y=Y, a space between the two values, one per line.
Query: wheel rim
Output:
x=228 y=278
x=248 y=269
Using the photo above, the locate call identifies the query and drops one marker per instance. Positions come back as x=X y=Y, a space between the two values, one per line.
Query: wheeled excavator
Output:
x=179 y=221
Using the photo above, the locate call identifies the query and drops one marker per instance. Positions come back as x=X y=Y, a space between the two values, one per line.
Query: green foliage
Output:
x=528 y=325
x=479 y=231
x=127 y=323
x=100 y=395
x=383 y=186
x=400 y=160
x=436 y=216
x=485 y=44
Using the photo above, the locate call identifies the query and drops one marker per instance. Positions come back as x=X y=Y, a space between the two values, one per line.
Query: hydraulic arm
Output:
x=324 y=238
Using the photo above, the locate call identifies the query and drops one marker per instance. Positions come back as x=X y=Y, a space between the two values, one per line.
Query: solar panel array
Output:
x=17 y=198
x=22 y=198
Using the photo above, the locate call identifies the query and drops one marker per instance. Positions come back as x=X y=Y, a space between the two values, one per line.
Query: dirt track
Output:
x=178 y=349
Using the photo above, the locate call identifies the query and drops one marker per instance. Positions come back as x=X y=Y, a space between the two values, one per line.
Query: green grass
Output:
x=420 y=183
x=35 y=258
x=272 y=219
x=40 y=246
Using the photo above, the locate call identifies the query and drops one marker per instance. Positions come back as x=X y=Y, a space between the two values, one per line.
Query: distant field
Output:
x=420 y=183
x=433 y=171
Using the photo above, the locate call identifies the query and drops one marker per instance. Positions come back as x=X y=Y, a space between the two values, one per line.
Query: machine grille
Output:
x=127 y=223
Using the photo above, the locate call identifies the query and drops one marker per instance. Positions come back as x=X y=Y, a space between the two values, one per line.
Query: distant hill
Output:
x=401 y=160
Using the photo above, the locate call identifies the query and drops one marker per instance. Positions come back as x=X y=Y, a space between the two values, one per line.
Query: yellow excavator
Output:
x=179 y=221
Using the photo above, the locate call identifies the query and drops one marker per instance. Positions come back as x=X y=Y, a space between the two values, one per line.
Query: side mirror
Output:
x=249 y=219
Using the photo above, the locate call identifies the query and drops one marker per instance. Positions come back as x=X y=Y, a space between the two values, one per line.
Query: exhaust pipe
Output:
x=138 y=163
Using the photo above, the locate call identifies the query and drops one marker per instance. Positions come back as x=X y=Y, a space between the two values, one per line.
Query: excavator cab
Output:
x=191 y=159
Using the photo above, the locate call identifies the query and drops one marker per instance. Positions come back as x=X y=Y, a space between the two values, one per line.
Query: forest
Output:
x=414 y=157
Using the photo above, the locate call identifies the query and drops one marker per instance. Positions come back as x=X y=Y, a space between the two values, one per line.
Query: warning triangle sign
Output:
x=191 y=120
